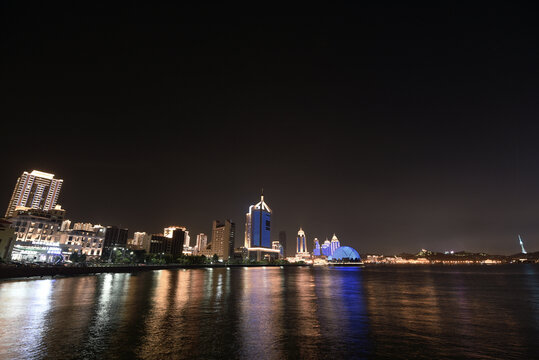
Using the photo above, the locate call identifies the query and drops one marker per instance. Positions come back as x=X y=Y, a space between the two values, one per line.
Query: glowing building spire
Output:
x=302 y=242
x=522 y=245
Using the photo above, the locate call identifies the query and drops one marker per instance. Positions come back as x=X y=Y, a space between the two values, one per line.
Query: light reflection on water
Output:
x=275 y=313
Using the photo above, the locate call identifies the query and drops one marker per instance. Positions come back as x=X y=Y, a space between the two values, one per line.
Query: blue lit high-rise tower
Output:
x=257 y=231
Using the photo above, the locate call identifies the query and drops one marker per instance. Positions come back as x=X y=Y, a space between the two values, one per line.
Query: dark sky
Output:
x=396 y=127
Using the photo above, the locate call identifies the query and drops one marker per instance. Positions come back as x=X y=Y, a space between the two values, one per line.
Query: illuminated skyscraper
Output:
x=257 y=226
x=36 y=190
x=335 y=244
x=301 y=247
x=316 y=247
x=257 y=231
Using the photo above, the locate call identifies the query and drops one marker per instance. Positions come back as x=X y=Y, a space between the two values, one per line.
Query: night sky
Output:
x=398 y=128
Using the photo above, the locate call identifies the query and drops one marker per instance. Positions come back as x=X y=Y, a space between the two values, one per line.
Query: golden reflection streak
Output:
x=308 y=325
x=261 y=310
x=28 y=305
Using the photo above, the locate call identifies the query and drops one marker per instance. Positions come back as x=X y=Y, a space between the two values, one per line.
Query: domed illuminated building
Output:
x=346 y=254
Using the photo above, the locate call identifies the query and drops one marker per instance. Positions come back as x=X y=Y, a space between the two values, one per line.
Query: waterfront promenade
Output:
x=7 y=272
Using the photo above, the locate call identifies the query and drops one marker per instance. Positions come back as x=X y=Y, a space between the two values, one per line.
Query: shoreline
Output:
x=52 y=271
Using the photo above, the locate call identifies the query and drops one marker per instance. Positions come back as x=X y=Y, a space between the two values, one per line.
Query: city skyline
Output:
x=327 y=248
x=399 y=128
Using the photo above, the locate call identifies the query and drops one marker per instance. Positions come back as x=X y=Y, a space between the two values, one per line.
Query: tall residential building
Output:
x=36 y=190
x=316 y=247
x=282 y=241
x=202 y=242
x=222 y=240
x=257 y=231
x=301 y=247
x=335 y=244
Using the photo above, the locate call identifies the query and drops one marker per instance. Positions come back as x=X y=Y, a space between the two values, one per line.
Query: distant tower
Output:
x=522 y=245
x=301 y=242
x=282 y=241
x=36 y=190
x=335 y=244
x=316 y=247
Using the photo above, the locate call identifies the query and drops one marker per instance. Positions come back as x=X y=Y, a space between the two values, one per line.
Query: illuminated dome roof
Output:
x=346 y=252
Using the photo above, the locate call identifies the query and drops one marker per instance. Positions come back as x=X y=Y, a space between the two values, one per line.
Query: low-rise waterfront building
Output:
x=7 y=240
x=171 y=242
x=84 y=242
x=37 y=234
x=115 y=239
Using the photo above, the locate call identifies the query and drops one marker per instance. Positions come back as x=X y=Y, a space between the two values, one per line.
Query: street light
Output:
x=110 y=255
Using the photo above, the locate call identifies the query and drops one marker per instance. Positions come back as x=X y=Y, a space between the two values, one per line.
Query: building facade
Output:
x=35 y=190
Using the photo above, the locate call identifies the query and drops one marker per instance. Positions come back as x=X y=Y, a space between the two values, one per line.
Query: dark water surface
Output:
x=272 y=313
